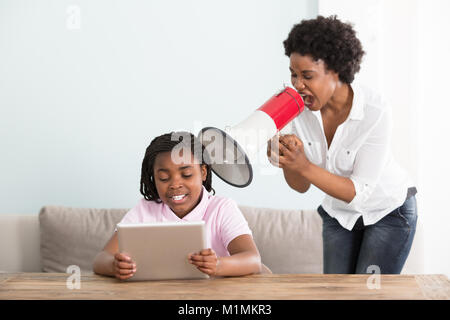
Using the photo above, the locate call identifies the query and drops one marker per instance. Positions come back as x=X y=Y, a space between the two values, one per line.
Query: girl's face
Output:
x=312 y=80
x=179 y=185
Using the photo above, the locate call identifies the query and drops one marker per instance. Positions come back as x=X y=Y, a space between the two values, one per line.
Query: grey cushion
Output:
x=289 y=241
x=74 y=236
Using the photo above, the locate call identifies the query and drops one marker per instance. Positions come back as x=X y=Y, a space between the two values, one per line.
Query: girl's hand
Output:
x=124 y=267
x=290 y=154
x=206 y=261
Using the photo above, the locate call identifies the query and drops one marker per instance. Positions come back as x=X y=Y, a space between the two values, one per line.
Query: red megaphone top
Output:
x=283 y=107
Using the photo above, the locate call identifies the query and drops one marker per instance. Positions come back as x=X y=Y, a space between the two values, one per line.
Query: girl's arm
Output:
x=244 y=259
x=110 y=262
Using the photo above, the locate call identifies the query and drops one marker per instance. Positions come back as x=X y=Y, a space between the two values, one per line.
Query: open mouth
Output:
x=179 y=198
x=307 y=99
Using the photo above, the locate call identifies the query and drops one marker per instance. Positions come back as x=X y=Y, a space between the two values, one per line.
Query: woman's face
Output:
x=179 y=185
x=312 y=80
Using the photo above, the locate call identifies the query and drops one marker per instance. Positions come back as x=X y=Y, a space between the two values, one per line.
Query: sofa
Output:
x=289 y=241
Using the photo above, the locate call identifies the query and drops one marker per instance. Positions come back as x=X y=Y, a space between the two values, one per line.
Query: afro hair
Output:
x=329 y=40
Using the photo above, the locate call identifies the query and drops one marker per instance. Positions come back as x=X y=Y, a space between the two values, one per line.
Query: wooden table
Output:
x=256 y=287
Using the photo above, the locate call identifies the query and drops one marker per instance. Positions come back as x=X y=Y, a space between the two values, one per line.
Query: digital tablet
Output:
x=160 y=249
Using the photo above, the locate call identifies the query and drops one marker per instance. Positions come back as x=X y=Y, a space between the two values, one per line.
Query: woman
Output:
x=342 y=146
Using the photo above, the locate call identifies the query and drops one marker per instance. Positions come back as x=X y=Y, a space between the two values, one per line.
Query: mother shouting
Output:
x=341 y=144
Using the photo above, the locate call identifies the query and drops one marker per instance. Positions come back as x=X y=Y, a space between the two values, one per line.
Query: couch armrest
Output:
x=19 y=243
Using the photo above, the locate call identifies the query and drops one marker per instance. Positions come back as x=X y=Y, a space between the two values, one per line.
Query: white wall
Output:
x=85 y=85
x=407 y=60
x=434 y=114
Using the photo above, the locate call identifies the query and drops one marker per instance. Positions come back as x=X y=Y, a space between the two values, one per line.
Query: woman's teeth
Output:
x=307 y=99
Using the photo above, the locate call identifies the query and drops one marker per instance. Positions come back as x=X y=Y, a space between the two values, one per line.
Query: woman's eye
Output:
x=187 y=175
x=293 y=76
x=163 y=179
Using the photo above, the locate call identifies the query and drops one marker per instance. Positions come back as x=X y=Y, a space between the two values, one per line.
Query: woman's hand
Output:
x=206 y=261
x=124 y=267
x=290 y=154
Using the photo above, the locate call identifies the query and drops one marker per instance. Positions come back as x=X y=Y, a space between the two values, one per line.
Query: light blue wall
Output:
x=78 y=107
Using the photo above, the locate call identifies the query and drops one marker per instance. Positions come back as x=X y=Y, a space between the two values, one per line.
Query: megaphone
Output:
x=232 y=150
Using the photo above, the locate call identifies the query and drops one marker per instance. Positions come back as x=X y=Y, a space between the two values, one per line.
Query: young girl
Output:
x=175 y=183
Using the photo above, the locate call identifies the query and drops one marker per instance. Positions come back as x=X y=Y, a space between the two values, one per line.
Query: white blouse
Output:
x=360 y=150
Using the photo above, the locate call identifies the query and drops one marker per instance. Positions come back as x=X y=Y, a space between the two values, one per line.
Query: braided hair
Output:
x=166 y=143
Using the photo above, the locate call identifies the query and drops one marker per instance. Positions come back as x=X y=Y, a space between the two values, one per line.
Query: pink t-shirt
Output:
x=223 y=219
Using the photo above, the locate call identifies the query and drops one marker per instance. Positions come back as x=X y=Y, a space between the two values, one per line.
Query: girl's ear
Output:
x=204 y=171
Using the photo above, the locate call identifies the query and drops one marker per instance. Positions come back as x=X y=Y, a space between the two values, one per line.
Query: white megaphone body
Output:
x=233 y=150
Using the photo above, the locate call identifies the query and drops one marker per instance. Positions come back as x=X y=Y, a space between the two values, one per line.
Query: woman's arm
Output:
x=299 y=172
x=336 y=186
x=296 y=181
x=244 y=259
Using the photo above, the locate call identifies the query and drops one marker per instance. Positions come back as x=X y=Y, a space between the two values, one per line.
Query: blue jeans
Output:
x=385 y=244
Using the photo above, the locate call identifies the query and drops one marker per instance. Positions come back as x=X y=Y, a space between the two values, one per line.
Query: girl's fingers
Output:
x=124 y=277
x=204 y=264
x=203 y=260
x=204 y=252
x=197 y=258
x=125 y=271
x=125 y=265
x=122 y=257
x=206 y=270
x=207 y=252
